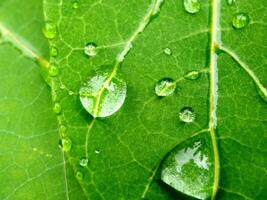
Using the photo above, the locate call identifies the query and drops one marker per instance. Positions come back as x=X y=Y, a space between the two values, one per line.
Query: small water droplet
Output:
x=71 y=93
x=187 y=115
x=90 y=49
x=97 y=151
x=193 y=75
x=192 y=6
x=57 y=108
x=50 y=30
x=240 y=20
x=62 y=87
x=53 y=70
x=65 y=144
x=75 y=5
x=101 y=95
x=53 y=51
x=79 y=175
x=168 y=51
x=165 y=87
x=62 y=130
x=83 y=161
x=230 y=2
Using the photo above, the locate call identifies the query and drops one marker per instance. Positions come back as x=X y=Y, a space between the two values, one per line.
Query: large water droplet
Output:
x=168 y=51
x=193 y=75
x=90 y=49
x=50 y=30
x=79 y=175
x=187 y=115
x=165 y=87
x=53 y=70
x=83 y=161
x=240 y=20
x=57 y=108
x=103 y=94
x=65 y=144
x=53 y=51
x=192 y=6
x=189 y=167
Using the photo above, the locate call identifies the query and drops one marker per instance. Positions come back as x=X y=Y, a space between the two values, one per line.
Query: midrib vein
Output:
x=18 y=42
x=214 y=91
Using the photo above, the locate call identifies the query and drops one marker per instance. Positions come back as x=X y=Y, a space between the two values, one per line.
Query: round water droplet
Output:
x=187 y=115
x=193 y=75
x=168 y=51
x=57 y=108
x=53 y=51
x=83 y=161
x=75 y=5
x=103 y=94
x=90 y=49
x=50 y=30
x=240 y=20
x=230 y=2
x=165 y=87
x=65 y=144
x=79 y=175
x=97 y=151
x=53 y=70
x=192 y=6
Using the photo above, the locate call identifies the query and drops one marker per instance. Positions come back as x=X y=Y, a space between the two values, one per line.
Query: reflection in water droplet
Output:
x=83 y=162
x=79 y=175
x=57 y=108
x=193 y=75
x=75 y=5
x=230 y=2
x=50 y=30
x=53 y=51
x=187 y=115
x=101 y=95
x=168 y=51
x=65 y=144
x=53 y=70
x=192 y=6
x=165 y=87
x=189 y=167
x=240 y=20
x=90 y=49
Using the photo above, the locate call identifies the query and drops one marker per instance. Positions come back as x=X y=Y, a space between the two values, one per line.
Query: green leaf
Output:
x=146 y=42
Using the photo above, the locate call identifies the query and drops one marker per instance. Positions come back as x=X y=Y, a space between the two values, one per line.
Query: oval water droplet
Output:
x=167 y=51
x=230 y=2
x=50 y=30
x=75 y=5
x=62 y=130
x=165 y=87
x=79 y=175
x=97 y=151
x=83 y=161
x=57 y=108
x=53 y=70
x=193 y=75
x=53 y=51
x=90 y=49
x=189 y=167
x=187 y=115
x=65 y=144
x=103 y=94
x=192 y=6
x=240 y=20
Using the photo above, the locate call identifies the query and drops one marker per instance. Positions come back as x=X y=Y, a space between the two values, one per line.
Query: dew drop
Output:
x=90 y=49
x=79 y=175
x=240 y=20
x=192 y=6
x=50 y=30
x=230 y=2
x=97 y=151
x=53 y=51
x=53 y=70
x=75 y=5
x=83 y=161
x=57 y=108
x=193 y=75
x=167 y=51
x=102 y=95
x=62 y=87
x=165 y=87
x=187 y=115
x=62 y=130
x=71 y=93
x=65 y=144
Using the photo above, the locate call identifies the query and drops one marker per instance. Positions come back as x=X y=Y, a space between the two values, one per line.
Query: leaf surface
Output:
x=147 y=41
